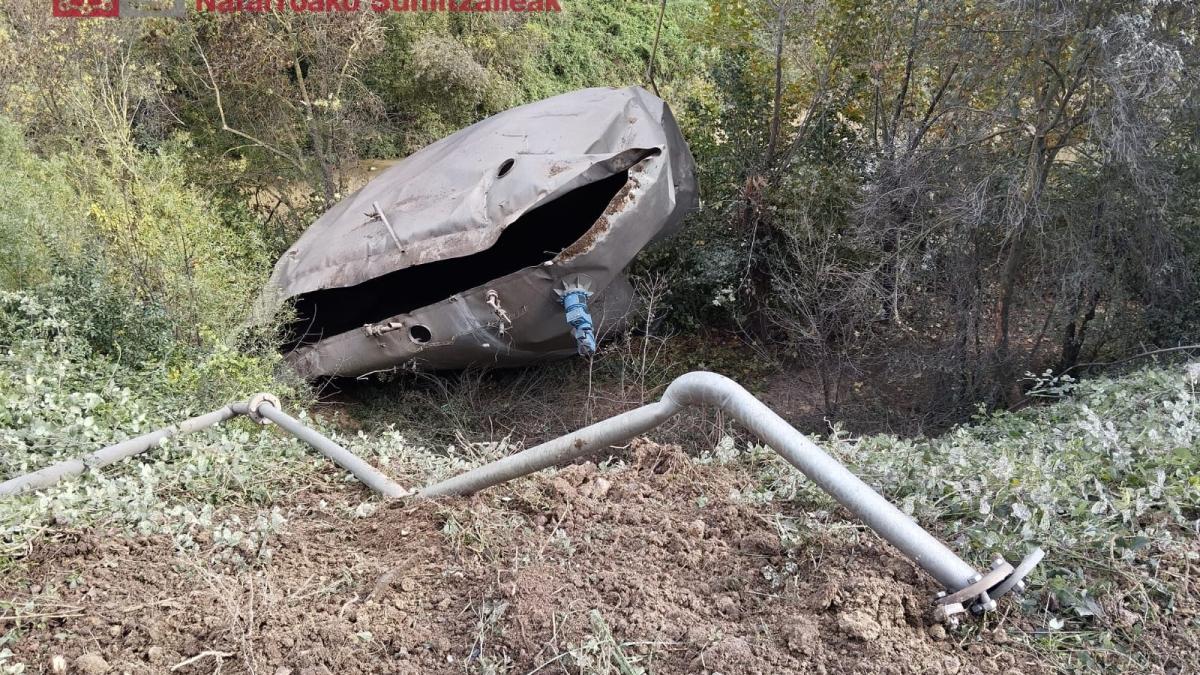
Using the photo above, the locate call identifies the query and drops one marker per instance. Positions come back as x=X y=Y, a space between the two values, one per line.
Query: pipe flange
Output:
x=579 y=282
x=1016 y=580
x=1000 y=570
x=256 y=401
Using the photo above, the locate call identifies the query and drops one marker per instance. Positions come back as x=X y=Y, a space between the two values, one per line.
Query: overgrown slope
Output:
x=1105 y=479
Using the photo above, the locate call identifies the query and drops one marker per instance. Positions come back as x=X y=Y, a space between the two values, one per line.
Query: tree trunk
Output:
x=1073 y=334
x=328 y=185
x=777 y=103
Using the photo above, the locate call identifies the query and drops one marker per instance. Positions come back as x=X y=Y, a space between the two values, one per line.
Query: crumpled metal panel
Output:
x=455 y=198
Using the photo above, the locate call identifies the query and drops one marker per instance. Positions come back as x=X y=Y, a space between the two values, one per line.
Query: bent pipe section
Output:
x=704 y=389
x=349 y=461
x=257 y=407
x=695 y=389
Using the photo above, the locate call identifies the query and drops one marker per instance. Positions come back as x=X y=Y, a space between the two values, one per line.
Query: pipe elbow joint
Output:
x=702 y=388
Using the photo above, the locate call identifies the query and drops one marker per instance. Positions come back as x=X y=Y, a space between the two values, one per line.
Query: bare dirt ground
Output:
x=652 y=567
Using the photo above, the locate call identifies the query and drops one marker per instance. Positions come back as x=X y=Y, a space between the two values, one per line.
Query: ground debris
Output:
x=654 y=567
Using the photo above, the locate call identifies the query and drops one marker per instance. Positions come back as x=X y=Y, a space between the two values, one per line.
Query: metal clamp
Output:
x=981 y=594
x=1000 y=570
x=256 y=401
x=1016 y=580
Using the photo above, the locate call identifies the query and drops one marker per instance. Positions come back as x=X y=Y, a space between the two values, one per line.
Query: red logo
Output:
x=87 y=9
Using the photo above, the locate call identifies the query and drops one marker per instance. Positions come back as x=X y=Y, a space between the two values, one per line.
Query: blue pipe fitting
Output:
x=575 y=304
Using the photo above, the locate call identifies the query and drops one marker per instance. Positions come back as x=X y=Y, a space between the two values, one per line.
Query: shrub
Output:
x=61 y=399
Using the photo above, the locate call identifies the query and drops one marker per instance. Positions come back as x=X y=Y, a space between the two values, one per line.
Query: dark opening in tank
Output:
x=532 y=239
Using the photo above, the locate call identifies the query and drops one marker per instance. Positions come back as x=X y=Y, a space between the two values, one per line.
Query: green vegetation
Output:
x=1105 y=479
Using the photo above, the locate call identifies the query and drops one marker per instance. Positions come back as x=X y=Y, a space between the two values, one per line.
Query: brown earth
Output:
x=650 y=567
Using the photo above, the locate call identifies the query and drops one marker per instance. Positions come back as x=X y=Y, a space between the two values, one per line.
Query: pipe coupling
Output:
x=257 y=400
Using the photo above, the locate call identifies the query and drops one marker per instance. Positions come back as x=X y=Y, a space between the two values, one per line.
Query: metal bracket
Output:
x=579 y=282
x=493 y=301
x=984 y=590
x=379 y=215
x=999 y=571
x=1016 y=580
x=948 y=614
x=376 y=329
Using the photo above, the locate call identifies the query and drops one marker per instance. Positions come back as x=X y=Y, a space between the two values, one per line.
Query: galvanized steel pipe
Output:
x=257 y=407
x=697 y=389
x=562 y=449
x=114 y=453
x=710 y=389
x=366 y=473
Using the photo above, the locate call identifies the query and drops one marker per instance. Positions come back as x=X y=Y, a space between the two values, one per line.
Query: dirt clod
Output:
x=729 y=654
x=859 y=624
x=803 y=637
x=91 y=664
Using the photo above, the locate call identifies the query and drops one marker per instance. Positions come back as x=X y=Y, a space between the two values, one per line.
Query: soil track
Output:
x=653 y=566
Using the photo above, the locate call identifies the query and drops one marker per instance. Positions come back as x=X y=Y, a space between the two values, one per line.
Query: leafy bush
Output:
x=141 y=255
x=163 y=242
x=60 y=399
x=443 y=71
x=32 y=201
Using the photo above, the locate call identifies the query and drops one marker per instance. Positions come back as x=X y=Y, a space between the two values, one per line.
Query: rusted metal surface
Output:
x=411 y=268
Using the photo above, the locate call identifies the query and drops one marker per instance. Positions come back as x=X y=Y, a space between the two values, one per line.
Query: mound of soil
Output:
x=652 y=568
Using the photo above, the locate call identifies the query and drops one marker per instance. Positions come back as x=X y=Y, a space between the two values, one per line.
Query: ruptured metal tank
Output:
x=462 y=254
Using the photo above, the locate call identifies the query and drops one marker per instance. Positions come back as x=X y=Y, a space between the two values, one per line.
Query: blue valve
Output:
x=575 y=303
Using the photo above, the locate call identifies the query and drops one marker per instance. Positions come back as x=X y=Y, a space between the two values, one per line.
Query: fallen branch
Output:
x=21 y=618
x=201 y=655
x=1134 y=357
